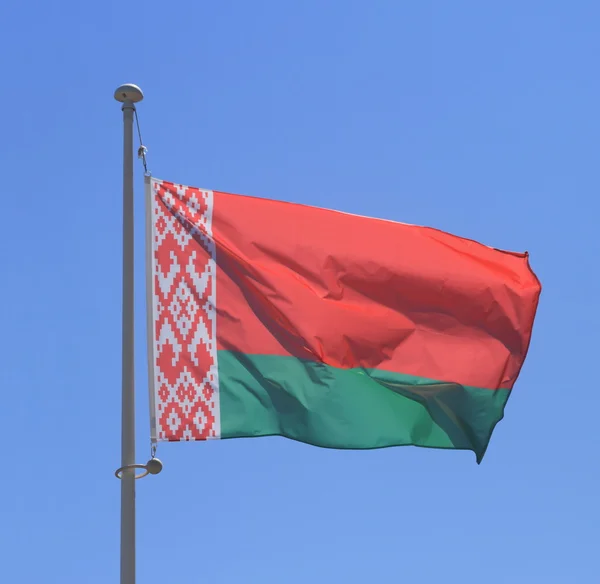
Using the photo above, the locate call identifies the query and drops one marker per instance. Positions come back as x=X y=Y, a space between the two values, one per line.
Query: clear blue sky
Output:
x=479 y=118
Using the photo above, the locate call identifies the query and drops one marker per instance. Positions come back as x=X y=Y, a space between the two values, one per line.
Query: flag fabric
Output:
x=270 y=318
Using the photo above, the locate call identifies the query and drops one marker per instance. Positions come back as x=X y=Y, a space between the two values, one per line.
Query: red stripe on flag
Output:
x=353 y=292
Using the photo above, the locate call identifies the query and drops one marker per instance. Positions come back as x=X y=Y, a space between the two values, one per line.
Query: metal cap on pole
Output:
x=129 y=93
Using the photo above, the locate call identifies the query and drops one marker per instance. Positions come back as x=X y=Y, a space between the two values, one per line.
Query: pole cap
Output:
x=129 y=92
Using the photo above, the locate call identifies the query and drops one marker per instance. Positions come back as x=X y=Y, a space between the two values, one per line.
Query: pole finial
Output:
x=129 y=93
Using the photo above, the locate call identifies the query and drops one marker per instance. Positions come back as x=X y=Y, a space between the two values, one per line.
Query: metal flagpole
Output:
x=128 y=95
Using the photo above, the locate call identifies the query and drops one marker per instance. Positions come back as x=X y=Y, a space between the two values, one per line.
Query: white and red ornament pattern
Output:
x=186 y=383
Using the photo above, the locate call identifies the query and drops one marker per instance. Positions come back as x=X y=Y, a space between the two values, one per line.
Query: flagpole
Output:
x=128 y=95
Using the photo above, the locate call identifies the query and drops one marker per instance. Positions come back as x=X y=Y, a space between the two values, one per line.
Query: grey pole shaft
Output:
x=128 y=387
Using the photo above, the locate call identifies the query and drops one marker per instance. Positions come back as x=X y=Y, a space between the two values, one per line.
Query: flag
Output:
x=270 y=318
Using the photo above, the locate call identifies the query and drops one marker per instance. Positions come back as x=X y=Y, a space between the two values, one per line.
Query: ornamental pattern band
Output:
x=184 y=346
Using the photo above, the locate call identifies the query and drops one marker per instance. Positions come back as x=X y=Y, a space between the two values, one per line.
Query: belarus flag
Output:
x=270 y=318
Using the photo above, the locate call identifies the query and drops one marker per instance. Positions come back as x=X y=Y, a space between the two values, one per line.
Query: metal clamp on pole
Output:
x=153 y=466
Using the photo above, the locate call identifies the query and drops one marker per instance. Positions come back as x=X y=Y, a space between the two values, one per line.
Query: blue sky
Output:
x=479 y=118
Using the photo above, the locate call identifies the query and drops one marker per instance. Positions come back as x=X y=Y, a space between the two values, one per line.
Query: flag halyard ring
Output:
x=119 y=471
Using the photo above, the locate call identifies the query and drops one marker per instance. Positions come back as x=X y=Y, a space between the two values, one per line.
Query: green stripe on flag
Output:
x=266 y=395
